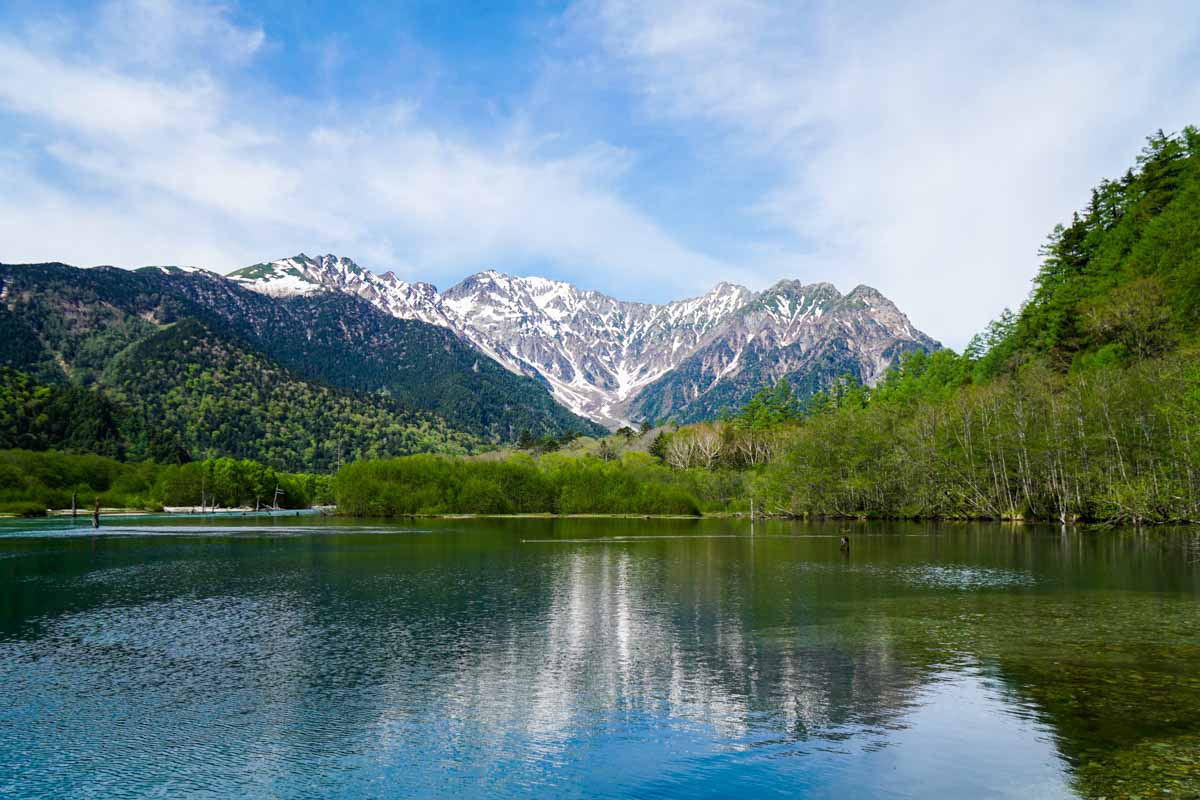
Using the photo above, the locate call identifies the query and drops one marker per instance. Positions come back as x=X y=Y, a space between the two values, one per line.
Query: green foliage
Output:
x=23 y=508
x=1112 y=442
x=1125 y=270
x=39 y=480
x=66 y=417
x=923 y=376
x=658 y=447
x=230 y=482
x=185 y=392
x=66 y=325
x=634 y=484
x=1081 y=405
x=221 y=399
x=771 y=406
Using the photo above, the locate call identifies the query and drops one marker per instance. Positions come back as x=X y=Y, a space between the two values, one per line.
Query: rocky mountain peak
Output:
x=603 y=357
x=869 y=295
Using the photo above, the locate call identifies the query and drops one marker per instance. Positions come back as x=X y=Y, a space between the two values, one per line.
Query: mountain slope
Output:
x=613 y=361
x=1121 y=281
x=596 y=352
x=808 y=334
x=344 y=340
x=221 y=399
x=303 y=276
x=79 y=319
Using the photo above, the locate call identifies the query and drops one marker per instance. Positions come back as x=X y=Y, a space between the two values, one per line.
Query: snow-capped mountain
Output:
x=302 y=275
x=595 y=352
x=810 y=334
x=614 y=361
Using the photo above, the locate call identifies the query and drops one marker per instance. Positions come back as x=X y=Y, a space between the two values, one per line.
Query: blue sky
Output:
x=646 y=149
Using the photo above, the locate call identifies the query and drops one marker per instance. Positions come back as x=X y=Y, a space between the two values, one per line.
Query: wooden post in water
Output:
x=74 y=504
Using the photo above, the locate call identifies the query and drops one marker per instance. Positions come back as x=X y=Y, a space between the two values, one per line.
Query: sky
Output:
x=644 y=149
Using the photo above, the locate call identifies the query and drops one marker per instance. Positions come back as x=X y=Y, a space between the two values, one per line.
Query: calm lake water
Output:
x=300 y=657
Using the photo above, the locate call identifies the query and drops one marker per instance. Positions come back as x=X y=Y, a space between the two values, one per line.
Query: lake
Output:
x=310 y=657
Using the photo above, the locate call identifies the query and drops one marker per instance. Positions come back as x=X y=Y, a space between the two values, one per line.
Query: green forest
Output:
x=168 y=365
x=32 y=482
x=186 y=393
x=1083 y=405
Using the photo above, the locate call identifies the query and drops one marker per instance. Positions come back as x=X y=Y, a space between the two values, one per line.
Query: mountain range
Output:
x=305 y=363
x=616 y=362
x=196 y=363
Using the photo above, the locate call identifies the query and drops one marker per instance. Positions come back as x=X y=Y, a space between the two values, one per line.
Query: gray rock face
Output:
x=809 y=334
x=615 y=361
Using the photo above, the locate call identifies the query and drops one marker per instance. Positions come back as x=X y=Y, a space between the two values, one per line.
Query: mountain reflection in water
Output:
x=599 y=658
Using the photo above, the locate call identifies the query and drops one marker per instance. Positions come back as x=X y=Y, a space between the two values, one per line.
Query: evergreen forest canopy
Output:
x=1083 y=404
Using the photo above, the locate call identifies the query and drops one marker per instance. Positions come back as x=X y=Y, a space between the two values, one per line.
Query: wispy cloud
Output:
x=158 y=159
x=172 y=33
x=924 y=148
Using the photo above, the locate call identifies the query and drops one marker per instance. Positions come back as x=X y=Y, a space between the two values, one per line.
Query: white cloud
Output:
x=153 y=160
x=926 y=149
x=95 y=100
x=161 y=33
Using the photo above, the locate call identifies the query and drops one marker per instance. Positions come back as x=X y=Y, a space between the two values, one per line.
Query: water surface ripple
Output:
x=591 y=658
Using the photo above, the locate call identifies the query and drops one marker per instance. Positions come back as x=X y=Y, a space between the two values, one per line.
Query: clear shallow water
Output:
x=595 y=658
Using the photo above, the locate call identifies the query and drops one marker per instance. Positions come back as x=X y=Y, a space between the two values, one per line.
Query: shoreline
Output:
x=173 y=511
x=331 y=511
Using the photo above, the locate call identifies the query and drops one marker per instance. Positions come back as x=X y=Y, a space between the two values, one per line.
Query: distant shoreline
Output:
x=172 y=511
x=194 y=511
x=331 y=511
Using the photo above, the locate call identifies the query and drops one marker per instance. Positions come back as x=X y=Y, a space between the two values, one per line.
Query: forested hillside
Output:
x=34 y=416
x=1085 y=403
x=345 y=341
x=220 y=399
x=1121 y=282
x=321 y=379
x=187 y=393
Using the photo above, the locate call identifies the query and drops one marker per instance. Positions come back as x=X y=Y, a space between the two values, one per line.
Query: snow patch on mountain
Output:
x=597 y=353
